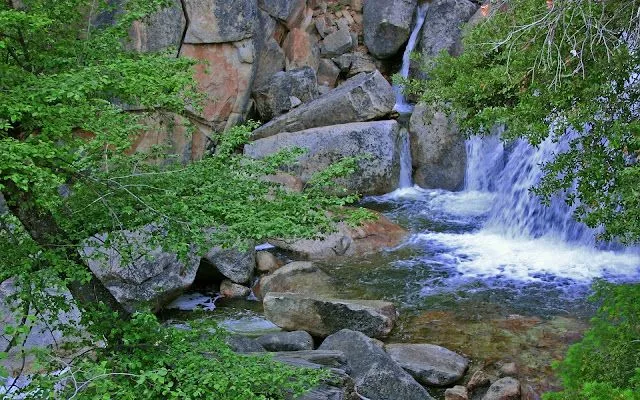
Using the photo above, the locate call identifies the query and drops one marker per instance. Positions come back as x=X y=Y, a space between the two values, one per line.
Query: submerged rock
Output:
x=286 y=341
x=379 y=140
x=429 y=364
x=362 y=98
x=323 y=316
x=376 y=375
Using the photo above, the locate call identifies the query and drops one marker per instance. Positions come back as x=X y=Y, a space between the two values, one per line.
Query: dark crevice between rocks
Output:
x=207 y=278
x=186 y=26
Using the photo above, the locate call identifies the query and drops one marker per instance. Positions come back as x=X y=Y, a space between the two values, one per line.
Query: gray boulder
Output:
x=274 y=97
x=438 y=150
x=322 y=316
x=243 y=344
x=287 y=11
x=362 y=98
x=270 y=60
x=220 y=21
x=326 y=358
x=377 y=174
x=160 y=31
x=232 y=263
x=296 y=277
x=456 y=393
x=138 y=274
x=442 y=26
x=504 y=389
x=429 y=364
x=336 y=43
x=376 y=375
x=286 y=341
x=387 y=25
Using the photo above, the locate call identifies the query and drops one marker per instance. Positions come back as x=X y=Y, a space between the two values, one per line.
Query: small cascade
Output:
x=509 y=174
x=406 y=180
x=402 y=106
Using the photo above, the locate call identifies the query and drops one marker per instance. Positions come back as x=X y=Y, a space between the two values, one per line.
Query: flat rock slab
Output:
x=323 y=316
x=362 y=98
x=430 y=364
x=376 y=375
x=326 y=358
x=286 y=341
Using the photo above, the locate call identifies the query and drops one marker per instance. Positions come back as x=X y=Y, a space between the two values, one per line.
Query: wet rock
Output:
x=326 y=358
x=456 y=393
x=234 y=264
x=220 y=21
x=267 y=262
x=478 y=379
x=232 y=290
x=429 y=364
x=274 y=97
x=243 y=344
x=370 y=237
x=336 y=43
x=296 y=277
x=377 y=174
x=442 y=27
x=301 y=50
x=437 y=150
x=387 y=25
x=160 y=31
x=323 y=316
x=287 y=341
x=376 y=375
x=361 y=98
x=139 y=275
x=503 y=389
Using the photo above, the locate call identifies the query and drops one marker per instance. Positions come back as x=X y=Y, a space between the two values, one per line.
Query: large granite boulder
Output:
x=139 y=275
x=429 y=364
x=376 y=375
x=237 y=265
x=296 y=277
x=362 y=98
x=504 y=389
x=377 y=174
x=438 y=150
x=214 y=21
x=160 y=31
x=274 y=97
x=288 y=11
x=301 y=50
x=323 y=316
x=387 y=25
x=347 y=241
x=269 y=55
x=442 y=26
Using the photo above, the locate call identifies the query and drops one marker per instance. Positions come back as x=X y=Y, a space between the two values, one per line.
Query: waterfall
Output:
x=401 y=103
x=510 y=173
x=406 y=168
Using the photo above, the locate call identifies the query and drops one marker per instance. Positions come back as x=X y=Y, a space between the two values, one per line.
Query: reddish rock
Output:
x=233 y=290
x=456 y=393
x=301 y=49
x=170 y=130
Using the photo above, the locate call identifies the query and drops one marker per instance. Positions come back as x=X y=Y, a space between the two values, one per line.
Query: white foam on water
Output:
x=486 y=254
x=192 y=301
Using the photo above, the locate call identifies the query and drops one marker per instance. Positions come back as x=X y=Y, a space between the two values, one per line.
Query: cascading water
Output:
x=401 y=103
x=406 y=180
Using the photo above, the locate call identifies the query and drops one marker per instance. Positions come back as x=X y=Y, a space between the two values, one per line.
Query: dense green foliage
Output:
x=541 y=71
x=73 y=100
x=605 y=365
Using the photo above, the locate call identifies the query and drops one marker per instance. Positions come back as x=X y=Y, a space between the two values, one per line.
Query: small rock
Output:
x=267 y=262
x=286 y=341
x=478 y=379
x=508 y=369
x=328 y=73
x=456 y=393
x=233 y=290
x=296 y=277
x=243 y=344
x=504 y=389
x=295 y=102
x=339 y=42
x=430 y=364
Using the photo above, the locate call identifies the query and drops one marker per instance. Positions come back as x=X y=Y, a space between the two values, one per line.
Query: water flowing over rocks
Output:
x=361 y=98
x=137 y=274
x=370 y=237
x=378 y=174
x=376 y=375
x=322 y=316
x=296 y=277
x=438 y=150
x=387 y=25
x=287 y=341
x=274 y=97
x=429 y=364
